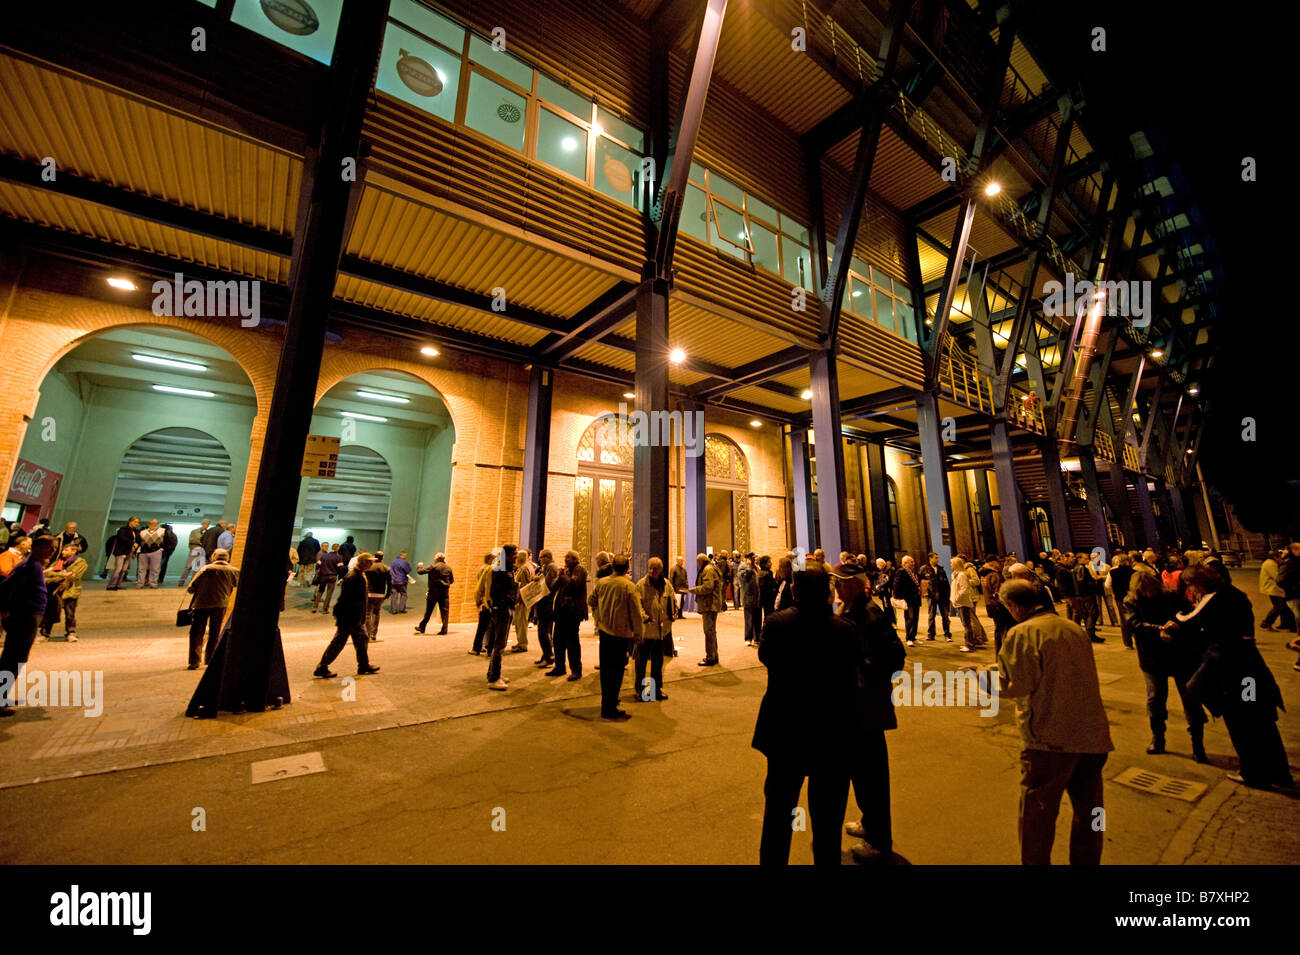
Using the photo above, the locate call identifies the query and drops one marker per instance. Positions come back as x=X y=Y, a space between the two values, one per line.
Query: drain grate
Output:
x=1148 y=782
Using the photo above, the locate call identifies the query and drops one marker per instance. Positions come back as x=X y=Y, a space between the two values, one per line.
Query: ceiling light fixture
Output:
x=807 y=394
x=379 y=396
x=755 y=423
x=429 y=351
x=124 y=284
x=363 y=417
x=629 y=395
x=192 y=392
x=992 y=189
x=677 y=356
x=170 y=362
x=1158 y=353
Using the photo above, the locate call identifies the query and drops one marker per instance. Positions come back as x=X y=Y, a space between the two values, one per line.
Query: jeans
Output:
x=973 y=629
x=911 y=619
x=498 y=632
x=566 y=641
x=753 y=623
x=484 y=623
x=324 y=594
x=1112 y=614
x=55 y=604
x=195 y=562
x=1045 y=776
x=652 y=650
x=710 y=620
x=374 y=604
x=1158 y=697
x=870 y=774
x=147 y=573
x=613 y=664
x=1279 y=612
x=20 y=632
x=942 y=609
x=434 y=598
x=121 y=564
x=360 y=640
x=828 y=797
x=398 y=603
x=208 y=619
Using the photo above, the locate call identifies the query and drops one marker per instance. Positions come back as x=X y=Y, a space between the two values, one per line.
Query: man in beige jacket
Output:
x=657 y=597
x=709 y=600
x=616 y=606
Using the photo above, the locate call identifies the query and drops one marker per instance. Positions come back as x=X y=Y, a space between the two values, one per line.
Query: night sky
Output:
x=1213 y=89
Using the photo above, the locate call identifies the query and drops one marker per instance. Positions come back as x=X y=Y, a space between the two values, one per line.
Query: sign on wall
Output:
x=320 y=459
x=33 y=484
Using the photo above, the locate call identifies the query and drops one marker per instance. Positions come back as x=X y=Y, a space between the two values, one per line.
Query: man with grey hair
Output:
x=710 y=598
x=440 y=581
x=1046 y=664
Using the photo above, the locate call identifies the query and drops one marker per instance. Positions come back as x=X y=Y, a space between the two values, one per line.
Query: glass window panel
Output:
x=563 y=97
x=757 y=207
x=697 y=173
x=496 y=111
x=562 y=144
x=618 y=173
x=308 y=29
x=906 y=322
x=693 y=214
x=423 y=20
x=857 y=265
x=884 y=311
x=795 y=230
x=721 y=186
x=861 y=297
x=624 y=132
x=500 y=62
x=765 y=254
x=729 y=231
x=418 y=72
x=796 y=264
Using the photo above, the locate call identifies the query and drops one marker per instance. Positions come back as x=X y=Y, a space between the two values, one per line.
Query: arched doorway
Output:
x=602 y=492
x=726 y=471
x=115 y=422
x=392 y=488
x=1042 y=528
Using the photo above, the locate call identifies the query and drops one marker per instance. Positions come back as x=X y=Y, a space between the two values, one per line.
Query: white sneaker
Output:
x=911 y=643
x=498 y=685
x=965 y=649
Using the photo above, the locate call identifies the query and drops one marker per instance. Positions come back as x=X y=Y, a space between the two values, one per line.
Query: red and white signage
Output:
x=35 y=485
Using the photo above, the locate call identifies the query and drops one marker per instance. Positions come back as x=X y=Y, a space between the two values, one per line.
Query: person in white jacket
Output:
x=963 y=598
x=1276 y=596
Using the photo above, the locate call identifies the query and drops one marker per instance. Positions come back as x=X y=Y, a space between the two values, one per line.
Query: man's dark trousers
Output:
x=566 y=641
x=360 y=642
x=828 y=797
x=498 y=631
x=613 y=665
x=20 y=633
x=208 y=619
x=1045 y=776
x=481 y=633
x=653 y=650
x=435 y=598
x=942 y=610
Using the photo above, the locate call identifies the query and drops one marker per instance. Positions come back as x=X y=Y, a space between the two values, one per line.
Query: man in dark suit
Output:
x=210 y=537
x=350 y=615
x=440 y=581
x=807 y=719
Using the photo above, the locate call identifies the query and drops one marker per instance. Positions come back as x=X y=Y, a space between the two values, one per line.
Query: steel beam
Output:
x=248 y=672
x=988 y=539
x=1057 y=508
x=805 y=519
x=939 y=506
x=831 y=517
x=948 y=294
x=537 y=459
x=1096 y=509
x=650 y=457
x=1013 y=517
x=1150 y=530
x=694 y=482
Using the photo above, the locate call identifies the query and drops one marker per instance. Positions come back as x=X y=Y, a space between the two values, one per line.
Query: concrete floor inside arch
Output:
x=427 y=765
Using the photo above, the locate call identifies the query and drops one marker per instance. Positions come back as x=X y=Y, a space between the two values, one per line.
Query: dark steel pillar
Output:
x=939 y=507
x=1096 y=510
x=694 y=483
x=650 y=458
x=805 y=519
x=1150 y=532
x=537 y=458
x=1057 y=509
x=988 y=541
x=832 y=520
x=882 y=540
x=1013 y=517
x=248 y=672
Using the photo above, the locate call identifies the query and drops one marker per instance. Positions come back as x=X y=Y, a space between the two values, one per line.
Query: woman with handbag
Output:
x=1147 y=609
x=1221 y=623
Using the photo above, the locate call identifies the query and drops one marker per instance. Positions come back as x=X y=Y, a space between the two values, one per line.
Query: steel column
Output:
x=650 y=457
x=882 y=539
x=832 y=520
x=1096 y=510
x=805 y=521
x=537 y=459
x=694 y=483
x=1149 y=527
x=248 y=671
x=984 y=501
x=939 y=507
x=1013 y=518
x=1062 y=533
x=948 y=294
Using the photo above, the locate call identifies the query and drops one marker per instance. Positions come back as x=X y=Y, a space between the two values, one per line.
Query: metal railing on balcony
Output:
x=1025 y=410
x=961 y=379
x=1130 y=461
x=1103 y=446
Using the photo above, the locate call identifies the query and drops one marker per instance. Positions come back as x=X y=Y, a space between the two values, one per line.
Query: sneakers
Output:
x=948 y=637
x=544 y=662
x=498 y=685
x=475 y=653
x=419 y=630
x=1157 y=747
x=965 y=649
x=911 y=643
x=72 y=638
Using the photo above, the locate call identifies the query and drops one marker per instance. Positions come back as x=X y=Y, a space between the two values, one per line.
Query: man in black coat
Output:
x=125 y=543
x=350 y=615
x=940 y=589
x=210 y=537
x=570 y=608
x=308 y=551
x=440 y=581
x=907 y=588
x=348 y=550
x=807 y=721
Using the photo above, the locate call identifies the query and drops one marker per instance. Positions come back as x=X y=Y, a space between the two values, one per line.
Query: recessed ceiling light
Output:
x=364 y=417
x=192 y=392
x=170 y=362
x=629 y=394
x=755 y=423
x=992 y=189
x=807 y=394
x=118 y=282
x=1158 y=353
x=379 y=396
x=1193 y=390
x=429 y=351
x=677 y=356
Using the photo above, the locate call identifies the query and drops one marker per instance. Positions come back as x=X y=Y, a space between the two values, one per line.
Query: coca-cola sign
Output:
x=33 y=484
